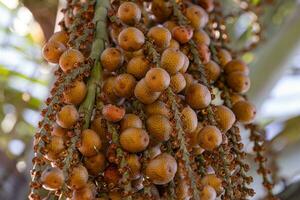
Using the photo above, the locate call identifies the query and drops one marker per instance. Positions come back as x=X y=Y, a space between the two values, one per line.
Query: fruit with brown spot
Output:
x=131 y=39
x=129 y=13
x=113 y=113
x=70 y=59
x=160 y=35
x=112 y=59
x=134 y=140
x=124 y=85
x=52 y=178
x=157 y=79
x=67 y=116
x=76 y=93
x=52 y=51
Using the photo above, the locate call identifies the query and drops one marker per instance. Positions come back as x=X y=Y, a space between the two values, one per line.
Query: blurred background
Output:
x=264 y=33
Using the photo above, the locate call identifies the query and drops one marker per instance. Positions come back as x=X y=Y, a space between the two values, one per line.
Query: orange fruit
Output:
x=198 y=96
x=52 y=51
x=236 y=66
x=189 y=119
x=111 y=59
x=70 y=59
x=95 y=164
x=224 y=117
x=161 y=9
x=58 y=131
x=182 y=34
x=67 y=116
x=159 y=127
x=52 y=178
x=134 y=165
x=185 y=65
x=212 y=71
x=160 y=35
x=138 y=66
x=213 y=181
x=112 y=176
x=113 y=113
x=144 y=94
x=134 y=140
x=210 y=137
x=238 y=82
x=56 y=144
x=174 y=44
x=157 y=79
x=197 y=16
x=208 y=5
x=60 y=36
x=76 y=93
x=224 y=56
x=90 y=143
x=208 y=193
x=131 y=121
x=234 y=98
x=201 y=37
x=131 y=39
x=78 y=177
x=108 y=90
x=172 y=60
x=158 y=107
x=170 y=25
x=178 y=82
x=84 y=193
x=129 y=13
x=244 y=111
x=124 y=85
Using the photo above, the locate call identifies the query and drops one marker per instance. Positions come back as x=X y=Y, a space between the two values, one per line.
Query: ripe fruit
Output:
x=157 y=79
x=76 y=94
x=90 y=143
x=161 y=170
x=124 y=85
x=159 y=127
x=208 y=193
x=84 y=193
x=197 y=16
x=129 y=13
x=112 y=175
x=213 y=181
x=178 y=82
x=154 y=151
x=161 y=9
x=170 y=25
x=60 y=36
x=131 y=121
x=69 y=59
x=78 y=177
x=194 y=136
x=67 y=116
x=238 y=82
x=234 y=98
x=203 y=52
x=244 y=111
x=212 y=71
x=198 y=96
x=182 y=189
x=201 y=37
x=52 y=51
x=138 y=66
x=236 y=66
x=189 y=80
x=210 y=137
x=224 y=117
x=111 y=59
x=95 y=164
x=158 y=107
x=182 y=34
x=144 y=94
x=56 y=144
x=185 y=65
x=134 y=165
x=52 y=178
x=134 y=140
x=113 y=113
x=58 y=131
x=160 y=35
x=172 y=60
x=224 y=56
x=108 y=90
x=208 y=5
x=189 y=119
x=131 y=39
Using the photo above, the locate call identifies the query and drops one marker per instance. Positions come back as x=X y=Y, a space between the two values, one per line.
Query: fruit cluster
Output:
x=145 y=121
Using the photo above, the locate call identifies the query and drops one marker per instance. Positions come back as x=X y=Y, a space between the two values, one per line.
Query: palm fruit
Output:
x=131 y=39
x=60 y=36
x=177 y=82
x=189 y=119
x=67 y=116
x=129 y=13
x=52 y=178
x=194 y=136
x=158 y=107
x=203 y=52
x=112 y=175
x=95 y=164
x=157 y=79
x=170 y=25
x=84 y=193
x=58 y=131
x=90 y=143
x=161 y=9
x=113 y=113
x=160 y=35
x=201 y=37
x=208 y=5
x=144 y=94
x=70 y=59
x=108 y=90
x=197 y=16
x=161 y=170
x=244 y=111
x=56 y=144
x=131 y=121
x=224 y=57
x=238 y=82
x=78 y=177
x=236 y=66
x=172 y=60
x=182 y=34
x=159 y=127
x=134 y=140
x=224 y=117
x=76 y=94
x=208 y=193
x=234 y=98
x=134 y=165
x=52 y=51
x=213 y=181
x=124 y=85
x=210 y=137
x=138 y=66
x=212 y=71
x=111 y=59
x=185 y=65
x=174 y=44
x=198 y=96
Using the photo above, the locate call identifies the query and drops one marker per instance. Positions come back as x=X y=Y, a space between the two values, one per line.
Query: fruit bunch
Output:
x=134 y=112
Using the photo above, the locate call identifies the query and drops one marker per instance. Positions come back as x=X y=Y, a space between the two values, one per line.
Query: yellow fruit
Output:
x=70 y=59
x=159 y=127
x=108 y=90
x=178 y=82
x=170 y=25
x=90 y=143
x=58 y=131
x=234 y=98
x=210 y=137
x=134 y=165
x=52 y=51
x=129 y=13
x=60 y=36
x=224 y=57
x=244 y=111
x=113 y=113
x=213 y=181
x=131 y=121
x=189 y=80
x=76 y=94
x=198 y=96
x=161 y=9
x=124 y=85
x=174 y=44
x=78 y=177
x=84 y=193
x=212 y=71
x=201 y=37
x=236 y=66
x=95 y=164
x=131 y=39
x=172 y=60
x=189 y=119
x=161 y=170
x=138 y=66
x=197 y=16
x=52 y=178
x=182 y=34
x=161 y=36
x=157 y=79
x=238 y=82
x=56 y=144
x=208 y=193
x=134 y=140
x=158 y=107
x=186 y=64
x=144 y=94
x=67 y=116
x=111 y=59
x=224 y=117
